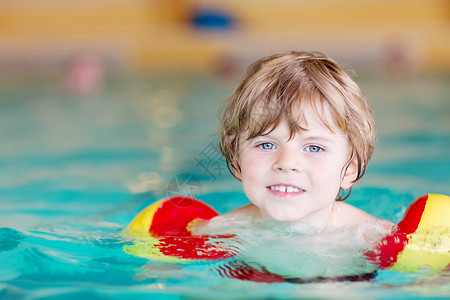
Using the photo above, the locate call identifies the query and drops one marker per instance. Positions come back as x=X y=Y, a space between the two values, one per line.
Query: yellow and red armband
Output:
x=161 y=231
x=422 y=239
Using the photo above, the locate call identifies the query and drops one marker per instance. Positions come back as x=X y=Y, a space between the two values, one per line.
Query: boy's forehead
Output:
x=308 y=118
x=314 y=115
x=305 y=113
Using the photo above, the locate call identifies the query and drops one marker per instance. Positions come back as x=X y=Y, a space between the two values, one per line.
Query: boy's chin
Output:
x=280 y=216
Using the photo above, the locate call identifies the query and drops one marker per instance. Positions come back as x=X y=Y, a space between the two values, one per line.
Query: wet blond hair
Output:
x=277 y=84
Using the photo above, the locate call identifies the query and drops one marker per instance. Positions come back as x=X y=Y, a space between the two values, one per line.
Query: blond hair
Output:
x=277 y=84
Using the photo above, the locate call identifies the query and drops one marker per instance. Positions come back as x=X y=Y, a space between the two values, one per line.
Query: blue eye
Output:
x=267 y=146
x=314 y=149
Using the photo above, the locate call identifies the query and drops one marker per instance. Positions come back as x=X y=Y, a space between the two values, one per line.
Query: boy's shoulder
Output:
x=349 y=215
x=240 y=217
x=246 y=210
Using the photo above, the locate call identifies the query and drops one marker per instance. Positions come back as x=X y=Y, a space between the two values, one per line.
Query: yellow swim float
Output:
x=422 y=239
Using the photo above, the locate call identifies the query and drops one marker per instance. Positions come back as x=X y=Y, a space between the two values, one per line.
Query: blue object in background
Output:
x=212 y=19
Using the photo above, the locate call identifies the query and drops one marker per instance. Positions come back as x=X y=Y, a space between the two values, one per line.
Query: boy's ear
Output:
x=236 y=171
x=350 y=175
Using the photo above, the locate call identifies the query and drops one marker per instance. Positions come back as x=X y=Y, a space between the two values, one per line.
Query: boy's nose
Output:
x=287 y=161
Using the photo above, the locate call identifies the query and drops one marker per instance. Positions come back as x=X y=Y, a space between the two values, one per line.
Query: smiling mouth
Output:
x=285 y=189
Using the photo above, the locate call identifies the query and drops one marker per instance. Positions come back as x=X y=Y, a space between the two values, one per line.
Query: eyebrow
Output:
x=304 y=135
x=318 y=137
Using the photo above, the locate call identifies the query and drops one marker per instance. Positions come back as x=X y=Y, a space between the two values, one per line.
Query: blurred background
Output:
x=399 y=36
x=123 y=94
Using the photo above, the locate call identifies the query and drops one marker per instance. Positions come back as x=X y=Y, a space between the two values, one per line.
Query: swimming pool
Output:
x=76 y=171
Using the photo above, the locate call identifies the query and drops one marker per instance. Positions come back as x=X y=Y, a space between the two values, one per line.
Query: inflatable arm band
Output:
x=161 y=232
x=422 y=239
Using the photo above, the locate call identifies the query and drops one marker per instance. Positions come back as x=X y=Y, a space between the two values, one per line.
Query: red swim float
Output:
x=161 y=232
x=422 y=239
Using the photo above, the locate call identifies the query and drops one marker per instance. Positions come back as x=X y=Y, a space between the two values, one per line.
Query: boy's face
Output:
x=296 y=179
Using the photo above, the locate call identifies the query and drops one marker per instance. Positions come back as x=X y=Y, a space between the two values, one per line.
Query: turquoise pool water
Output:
x=76 y=171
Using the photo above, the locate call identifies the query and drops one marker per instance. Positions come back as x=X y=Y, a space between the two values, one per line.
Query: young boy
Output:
x=298 y=133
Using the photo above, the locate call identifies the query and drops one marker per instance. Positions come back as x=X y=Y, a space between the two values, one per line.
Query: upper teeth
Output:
x=283 y=188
